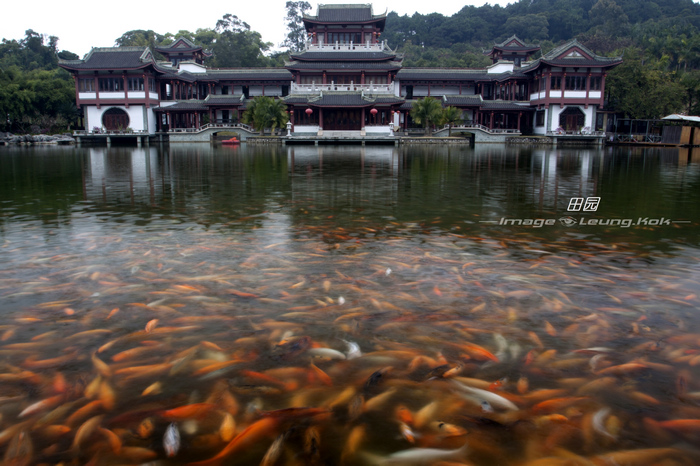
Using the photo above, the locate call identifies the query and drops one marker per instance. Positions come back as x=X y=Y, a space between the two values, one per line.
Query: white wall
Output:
x=555 y=110
x=420 y=91
x=500 y=67
x=93 y=116
x=306 y=128
x=192 y=67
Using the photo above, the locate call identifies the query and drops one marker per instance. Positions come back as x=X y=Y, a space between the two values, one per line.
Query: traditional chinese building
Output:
x=346 y=79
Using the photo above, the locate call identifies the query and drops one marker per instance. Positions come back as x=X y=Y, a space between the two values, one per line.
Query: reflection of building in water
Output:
x=337 y=177
x=120 y=174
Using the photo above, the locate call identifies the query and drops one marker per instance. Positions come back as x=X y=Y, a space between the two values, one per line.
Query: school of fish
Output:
x=157 y=324
x=445 y=349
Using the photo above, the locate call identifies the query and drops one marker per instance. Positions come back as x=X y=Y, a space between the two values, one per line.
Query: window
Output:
x=539 y=118
x=111 y=84
x=575 y=83
x=152 y=85
x=345 y=37
x=86 y=85
x=556 y=83
x=595 y=83
x=135 y=84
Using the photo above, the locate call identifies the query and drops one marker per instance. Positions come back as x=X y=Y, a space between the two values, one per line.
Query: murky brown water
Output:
x=409 y=299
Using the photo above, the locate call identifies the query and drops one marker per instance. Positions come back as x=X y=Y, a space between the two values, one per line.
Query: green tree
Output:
x=450 y=116
x=528 y=27
x=265 y=112
x=140 y=38
x=644 y=90
x=237 y=45
x=427 y=112
x=296 y=37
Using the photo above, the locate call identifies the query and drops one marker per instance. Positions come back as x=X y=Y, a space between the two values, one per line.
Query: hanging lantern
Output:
x=309 y=111
x=374 y=111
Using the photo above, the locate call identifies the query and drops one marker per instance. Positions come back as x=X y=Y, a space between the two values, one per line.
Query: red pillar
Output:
x=126 y=90
x=519 y=115
x=491 y=123
x=602 y=91
x=324 y=77
x=146 y=90
x=363 y=118
x=97 y=91
x=77 y=91
x=588 y=86
x=563 y=89
x=320 y=118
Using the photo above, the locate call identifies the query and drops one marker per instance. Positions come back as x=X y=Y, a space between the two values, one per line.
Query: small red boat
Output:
x=233 y=140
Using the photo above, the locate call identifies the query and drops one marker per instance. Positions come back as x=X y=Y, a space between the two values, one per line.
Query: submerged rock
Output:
x=36 y=139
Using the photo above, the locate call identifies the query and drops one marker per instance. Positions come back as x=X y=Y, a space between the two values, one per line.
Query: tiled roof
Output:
x=581 y=62
x=519 y=47
x=230 y=99
x=345 y=99
x=341 y=56
x=344 y=65
x=557 y=55
x=184 y=105
x=516 y=39
x=462 y=100
x=257 y=74
x=186 y=46
x=111 y=58
x=171 y=50
x=442 y=74
x=505 y=105
x=349 y=13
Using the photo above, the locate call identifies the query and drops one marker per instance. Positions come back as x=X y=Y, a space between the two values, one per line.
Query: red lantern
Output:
x=309 y=111
x=374 y=111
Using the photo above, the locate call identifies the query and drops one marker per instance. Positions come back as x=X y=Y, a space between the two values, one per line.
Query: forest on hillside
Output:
x=658 y=40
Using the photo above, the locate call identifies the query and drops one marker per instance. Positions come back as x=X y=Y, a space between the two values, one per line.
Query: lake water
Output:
x=348 y=305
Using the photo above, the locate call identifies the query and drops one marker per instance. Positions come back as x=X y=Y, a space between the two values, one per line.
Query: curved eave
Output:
x=311 y=60
x=121 y=68
x=559 y=64
x=178 y=50
x=375 y=19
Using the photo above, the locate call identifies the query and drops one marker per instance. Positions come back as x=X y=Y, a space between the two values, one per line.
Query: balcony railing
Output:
x=213 y=125
x=341 y=47
x=366 y=88
x=576 y=133
x=83 y=132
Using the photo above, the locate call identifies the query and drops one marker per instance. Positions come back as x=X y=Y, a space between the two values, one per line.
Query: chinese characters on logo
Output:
x=589 y=204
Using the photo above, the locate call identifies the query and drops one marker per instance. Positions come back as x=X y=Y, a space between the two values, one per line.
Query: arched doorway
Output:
x=572 y=119
x=115 y=119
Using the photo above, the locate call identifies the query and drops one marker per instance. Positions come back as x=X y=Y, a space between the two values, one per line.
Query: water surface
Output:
x=138 y=281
